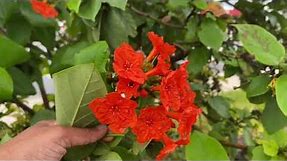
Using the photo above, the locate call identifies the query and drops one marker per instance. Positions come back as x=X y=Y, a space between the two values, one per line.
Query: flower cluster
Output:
x=176 y=110
x=44 y=9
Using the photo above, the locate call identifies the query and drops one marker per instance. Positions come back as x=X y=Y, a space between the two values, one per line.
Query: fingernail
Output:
x=102 y=127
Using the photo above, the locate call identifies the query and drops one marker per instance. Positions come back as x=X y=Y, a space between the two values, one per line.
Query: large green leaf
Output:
x=210 y=34
x=22 y=83
x=64 y=57
x=220 y=105
x=197 y=58
x=89 y=9
x=97 y=53
x=270 y=147
x=273 y=114
x=6 y=85
x=75 y=88
x=204 y=147
x=258 y=86
x=258 y=154
x=21 y=36
x=121 y=4
x=281 y=93
x=260 y=43
x=117 y=27
x=11 y=53
x=74 y=5
x=6 y=10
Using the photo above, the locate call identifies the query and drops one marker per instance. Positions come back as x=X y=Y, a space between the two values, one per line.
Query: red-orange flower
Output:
x=152 y=123
x=175 y=88
x=116 y=111
x=162 y=67
x=186 y=121
x=44 y=9
x=128 y=63
x=159 y=47
x=128 y=87
x=169 y=147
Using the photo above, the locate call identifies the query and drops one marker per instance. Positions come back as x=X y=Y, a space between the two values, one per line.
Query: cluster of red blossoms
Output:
x=44 y=9
x=118 y=109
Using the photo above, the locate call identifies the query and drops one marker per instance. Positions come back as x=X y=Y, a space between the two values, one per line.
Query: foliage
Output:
x=77 y=46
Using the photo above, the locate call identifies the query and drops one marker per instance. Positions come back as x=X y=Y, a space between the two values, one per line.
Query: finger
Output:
x=46 y=123
x=78 y=136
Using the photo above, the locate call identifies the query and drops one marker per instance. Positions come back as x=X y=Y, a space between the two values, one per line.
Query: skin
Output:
x=48 y=141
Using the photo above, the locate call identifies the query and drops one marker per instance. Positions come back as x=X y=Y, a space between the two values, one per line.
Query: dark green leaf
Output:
x=204 y=147
x=260 y=43
x=11 y=53
x=43 y=115
x=22 y=83
x=281 y=93
x=210 y=34
x=89 y=9
x=6 y=10
x=79 y=152
x=125 y=27
x=198 y=58
x=97 y=53
x=174 y=4
x=258 y=86
x=124 y=153
x=272 y=114
x=192 y=28
x=220 y=105
x=6 y=85
x=46 y=35
x=121 y=4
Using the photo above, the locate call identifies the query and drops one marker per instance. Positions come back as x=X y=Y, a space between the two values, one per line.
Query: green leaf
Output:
x=258 y=86
x=260 y=43
x=111 y=156
x=46 y=35
x=281 y=93
x=11 y=53
x=220 y=105
x=121 y=4
x=124 y=153
x=125 y=27
x=5 y=138
x=101 y=149
x=204 y=147
x=79 y=152
x=21 y=36
x=175 y=4
x=75 y=88
x=258 y=154
x=74 y=5
x=192 y=27
x=139 y=147
x=43 y=115
x=89 y=9
x=210 y=34
x=273 y=114
x=64 y=57
x=200 y=4
x=270 y=147
x=198 y=58
x=280 y=137
x=21 y=82
x=97 y=53
x=6 y=85
x=6 y=10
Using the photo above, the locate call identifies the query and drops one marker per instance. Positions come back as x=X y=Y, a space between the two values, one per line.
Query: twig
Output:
x=141 y=13
x=23 y=106
x=238 y=146
x=44 y=95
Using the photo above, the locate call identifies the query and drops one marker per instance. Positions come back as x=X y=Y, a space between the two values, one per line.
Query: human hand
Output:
x=48 y=141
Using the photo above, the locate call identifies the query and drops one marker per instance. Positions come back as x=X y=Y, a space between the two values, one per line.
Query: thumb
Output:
x=82 y=136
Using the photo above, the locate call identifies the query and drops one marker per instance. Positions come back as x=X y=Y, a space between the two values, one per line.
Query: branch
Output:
x=44 y=95
x=238 y=146
x=23 y=106
x=144 y=14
